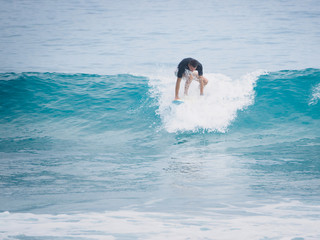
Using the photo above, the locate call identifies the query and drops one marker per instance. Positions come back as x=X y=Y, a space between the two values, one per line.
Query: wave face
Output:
x=287 y=97
x=91 y=105
x=68 y=106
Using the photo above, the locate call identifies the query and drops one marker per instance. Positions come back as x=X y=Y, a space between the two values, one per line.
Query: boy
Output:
x=186 y=69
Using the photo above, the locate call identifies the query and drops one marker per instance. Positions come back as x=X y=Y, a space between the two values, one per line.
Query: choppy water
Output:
x=91 y=146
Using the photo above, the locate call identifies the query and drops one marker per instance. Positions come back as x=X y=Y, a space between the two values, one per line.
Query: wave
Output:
x=284 y=97
x=87 y=104
x=81 y=103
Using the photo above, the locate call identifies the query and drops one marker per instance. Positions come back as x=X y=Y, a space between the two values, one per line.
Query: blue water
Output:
x=92 y=147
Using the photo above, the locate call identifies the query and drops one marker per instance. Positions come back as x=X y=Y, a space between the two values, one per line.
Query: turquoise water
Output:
x=99 y=145
x=92 y=147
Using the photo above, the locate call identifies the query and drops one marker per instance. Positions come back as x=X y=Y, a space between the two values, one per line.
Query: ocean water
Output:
x=91 y=146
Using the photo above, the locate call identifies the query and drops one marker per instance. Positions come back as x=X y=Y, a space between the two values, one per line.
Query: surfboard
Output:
x=177 y=102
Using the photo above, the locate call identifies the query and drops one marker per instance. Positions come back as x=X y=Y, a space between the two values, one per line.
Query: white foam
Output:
x=214 y=111
x=315 y=95
x=283 y=220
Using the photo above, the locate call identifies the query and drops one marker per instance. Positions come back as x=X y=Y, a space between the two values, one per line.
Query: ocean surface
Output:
x=91 y=146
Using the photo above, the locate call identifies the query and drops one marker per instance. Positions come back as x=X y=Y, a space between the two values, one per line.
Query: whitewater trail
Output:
x=213 y=112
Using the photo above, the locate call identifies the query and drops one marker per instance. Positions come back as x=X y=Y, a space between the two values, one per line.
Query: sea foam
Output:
x=212 y=112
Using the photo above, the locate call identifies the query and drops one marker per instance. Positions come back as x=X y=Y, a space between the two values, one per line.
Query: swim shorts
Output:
x=187 y=73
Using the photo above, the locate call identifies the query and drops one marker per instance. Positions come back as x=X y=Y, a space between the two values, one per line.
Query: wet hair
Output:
x=194 y=63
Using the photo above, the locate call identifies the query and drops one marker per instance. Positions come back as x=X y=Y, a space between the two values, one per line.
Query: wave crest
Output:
x=212 y=112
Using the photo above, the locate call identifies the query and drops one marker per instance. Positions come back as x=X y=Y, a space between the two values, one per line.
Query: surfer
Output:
x=189 y=69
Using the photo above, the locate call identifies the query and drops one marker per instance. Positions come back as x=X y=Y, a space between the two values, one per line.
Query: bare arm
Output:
x=177 y=88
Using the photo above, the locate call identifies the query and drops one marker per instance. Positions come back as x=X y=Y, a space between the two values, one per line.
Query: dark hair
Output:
x=194 y=63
